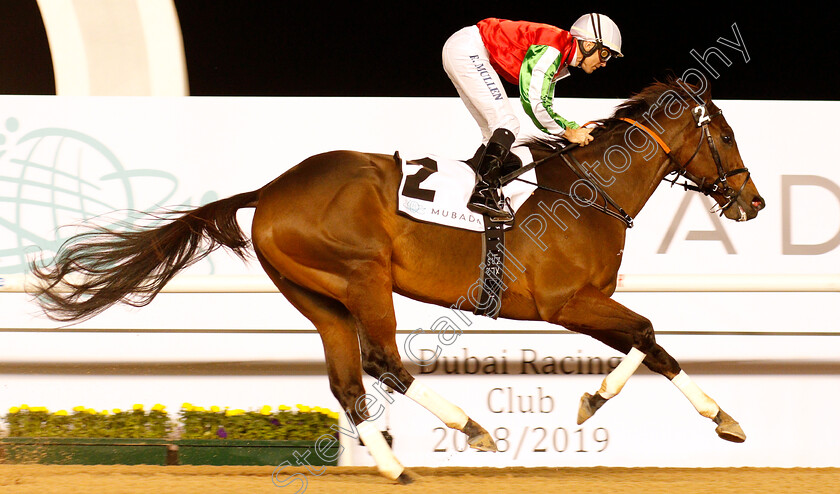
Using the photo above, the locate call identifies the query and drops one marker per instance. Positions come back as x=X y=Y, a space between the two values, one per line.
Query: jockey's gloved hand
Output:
x=579 y=135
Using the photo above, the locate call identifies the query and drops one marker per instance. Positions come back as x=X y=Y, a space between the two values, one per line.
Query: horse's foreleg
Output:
x=591 y=312
x=727 y=428
x=657 y=360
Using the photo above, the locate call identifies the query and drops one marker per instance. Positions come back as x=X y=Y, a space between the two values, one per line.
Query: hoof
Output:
x=589 y=404
x=728 y=429
x=407 y=477
x=483 y=442
x=479 y=438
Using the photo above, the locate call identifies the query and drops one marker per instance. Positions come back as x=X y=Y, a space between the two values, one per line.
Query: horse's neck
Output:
x=647 y=175
x=629 y=186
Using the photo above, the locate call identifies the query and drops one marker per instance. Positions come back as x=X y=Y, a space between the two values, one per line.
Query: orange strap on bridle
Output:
x=644 y=129
x=650 y=133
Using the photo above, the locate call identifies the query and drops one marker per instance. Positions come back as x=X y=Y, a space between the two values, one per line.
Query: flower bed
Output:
x=200 y=436
x=305 y=424
x=266 y=437
x=25 y=421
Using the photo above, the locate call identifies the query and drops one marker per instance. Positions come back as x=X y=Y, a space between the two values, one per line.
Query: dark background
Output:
x=278 y=48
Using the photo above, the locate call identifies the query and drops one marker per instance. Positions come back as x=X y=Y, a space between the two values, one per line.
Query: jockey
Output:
x=534 y=56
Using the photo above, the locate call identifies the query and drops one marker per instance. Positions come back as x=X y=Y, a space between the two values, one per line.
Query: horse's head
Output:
x=708 y=156
x=700 y=144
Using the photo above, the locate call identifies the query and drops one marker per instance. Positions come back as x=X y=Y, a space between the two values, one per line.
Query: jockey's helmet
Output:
x=600 y=29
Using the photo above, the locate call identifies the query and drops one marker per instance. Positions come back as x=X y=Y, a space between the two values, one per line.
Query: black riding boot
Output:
x=485 y=198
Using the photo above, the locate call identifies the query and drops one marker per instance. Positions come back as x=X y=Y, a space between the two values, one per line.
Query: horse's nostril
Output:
x=758 y=203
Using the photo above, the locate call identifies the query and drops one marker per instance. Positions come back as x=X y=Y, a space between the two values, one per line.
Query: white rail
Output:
x=728 y=283
x=626 y=283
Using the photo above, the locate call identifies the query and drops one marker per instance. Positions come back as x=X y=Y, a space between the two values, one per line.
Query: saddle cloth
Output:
x=436 y=190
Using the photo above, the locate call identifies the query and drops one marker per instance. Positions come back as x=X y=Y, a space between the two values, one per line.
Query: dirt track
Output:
x=351 y=480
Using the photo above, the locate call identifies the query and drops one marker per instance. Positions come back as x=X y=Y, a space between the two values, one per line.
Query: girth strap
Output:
x=492 y=270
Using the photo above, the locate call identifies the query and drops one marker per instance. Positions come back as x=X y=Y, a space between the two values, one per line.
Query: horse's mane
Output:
x=634 y=108
x=641 y=102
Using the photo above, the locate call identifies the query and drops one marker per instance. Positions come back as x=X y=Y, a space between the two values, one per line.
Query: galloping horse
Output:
x=328 y=235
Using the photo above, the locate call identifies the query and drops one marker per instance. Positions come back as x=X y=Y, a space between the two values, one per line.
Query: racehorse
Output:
x=328 y=234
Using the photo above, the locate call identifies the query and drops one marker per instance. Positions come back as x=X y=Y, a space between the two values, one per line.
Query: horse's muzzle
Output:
x=743 y=210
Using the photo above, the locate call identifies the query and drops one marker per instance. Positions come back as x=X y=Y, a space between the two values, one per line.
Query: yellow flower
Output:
x=79 y=408
x=104 y=412
x=137 y=406
x=61 y=413
x=302 y=408
x=24 y=407
x=215 y=409
x=333 y=415
x=14 y=410
x=284 y=408
x=265 y=410
x=158 y=407
x=38 y=409
x=198 y=409
x=232 y=413
x=116 y=411
x=91 y=411
x=186 y=406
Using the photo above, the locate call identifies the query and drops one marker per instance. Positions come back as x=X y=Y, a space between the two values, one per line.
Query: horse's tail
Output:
x=94 y=270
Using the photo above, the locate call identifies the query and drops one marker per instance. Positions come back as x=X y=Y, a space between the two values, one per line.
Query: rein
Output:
x=618 y=213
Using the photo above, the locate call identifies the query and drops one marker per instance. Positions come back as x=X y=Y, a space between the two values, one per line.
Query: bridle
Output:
x=721 y=185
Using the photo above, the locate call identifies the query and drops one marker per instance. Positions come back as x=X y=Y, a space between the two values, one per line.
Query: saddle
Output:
x=436 y=190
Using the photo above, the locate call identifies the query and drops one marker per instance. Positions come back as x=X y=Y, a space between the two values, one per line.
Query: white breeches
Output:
x=467 y=62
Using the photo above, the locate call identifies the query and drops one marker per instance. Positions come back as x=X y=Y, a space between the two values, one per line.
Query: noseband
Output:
x=721 y=185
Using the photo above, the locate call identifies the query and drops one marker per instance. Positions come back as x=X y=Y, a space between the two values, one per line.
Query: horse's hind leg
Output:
x=593 y=313
x=337 y=328
x=370 y=299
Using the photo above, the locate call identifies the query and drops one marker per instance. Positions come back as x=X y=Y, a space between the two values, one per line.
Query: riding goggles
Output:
x=605 y=53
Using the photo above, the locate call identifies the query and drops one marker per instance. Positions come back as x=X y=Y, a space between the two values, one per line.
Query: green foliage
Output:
x=283 y=424
x=24 y=421
x=305 y=423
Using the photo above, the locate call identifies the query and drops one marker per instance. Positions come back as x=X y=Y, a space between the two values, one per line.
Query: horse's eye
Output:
x=726 y=138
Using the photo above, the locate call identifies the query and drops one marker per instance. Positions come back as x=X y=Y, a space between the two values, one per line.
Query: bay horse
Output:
x=328 y=234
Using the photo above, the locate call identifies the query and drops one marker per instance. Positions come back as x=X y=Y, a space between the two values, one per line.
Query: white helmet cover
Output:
x=598 y=28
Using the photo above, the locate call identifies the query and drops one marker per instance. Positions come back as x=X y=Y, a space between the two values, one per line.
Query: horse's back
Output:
x=337 y=193
x=340 y=207
x=323 y=175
